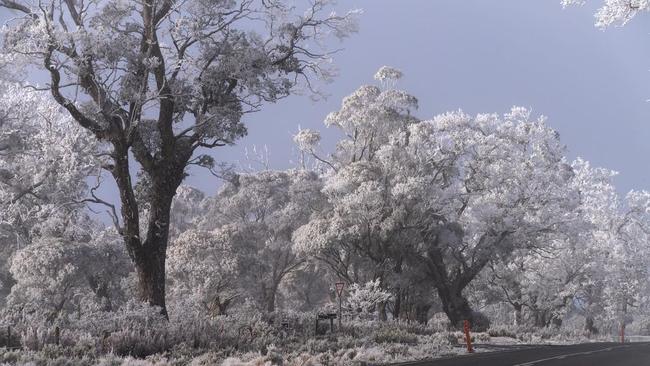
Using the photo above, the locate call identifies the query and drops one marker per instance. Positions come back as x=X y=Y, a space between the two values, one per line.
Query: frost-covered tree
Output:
x=360 y=234
x=626 y=283
x=44 y=163
x=306 y=288
x=541 y=285
x=204 y=269
x=499 y=183
x=600 y=210
x=616 y=276
x=159 y=80
x=615 y=12
x=187 y=209
x=446 y=196
x=57 y=278
x=264 y=209
x=594 y=267
x=565 y=269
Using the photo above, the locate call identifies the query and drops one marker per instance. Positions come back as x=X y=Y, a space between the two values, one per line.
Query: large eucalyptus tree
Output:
x=160 y=80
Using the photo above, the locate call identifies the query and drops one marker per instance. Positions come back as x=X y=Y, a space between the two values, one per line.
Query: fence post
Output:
x=468 y=338
x=57 y=335
x=105 y=335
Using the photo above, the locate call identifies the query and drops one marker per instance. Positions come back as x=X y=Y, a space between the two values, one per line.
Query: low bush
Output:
x=502 y=331
x=395 y=335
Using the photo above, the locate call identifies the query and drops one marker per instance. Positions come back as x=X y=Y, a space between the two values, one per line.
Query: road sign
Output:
x=339 y=291
x=339 y=288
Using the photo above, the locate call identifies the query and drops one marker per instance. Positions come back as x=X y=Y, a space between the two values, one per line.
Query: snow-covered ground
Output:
x=379 y=343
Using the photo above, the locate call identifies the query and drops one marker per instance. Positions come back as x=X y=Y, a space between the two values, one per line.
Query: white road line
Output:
x=560 y=357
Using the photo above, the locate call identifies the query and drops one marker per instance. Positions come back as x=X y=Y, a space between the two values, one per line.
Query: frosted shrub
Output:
x=82 y=344
x=395 y=335
x=9 y=357
x=364 y=299
x=440 y=322
x=509 y=331
x=480 y=337
x=136 y=344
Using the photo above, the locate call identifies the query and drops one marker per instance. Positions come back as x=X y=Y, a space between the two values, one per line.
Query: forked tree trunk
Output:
x=149 y=254
x=455 y=305
x=450 y=281
x=150 y=257
x=150 y=268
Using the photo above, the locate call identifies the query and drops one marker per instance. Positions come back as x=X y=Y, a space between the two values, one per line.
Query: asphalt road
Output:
x=590 y=354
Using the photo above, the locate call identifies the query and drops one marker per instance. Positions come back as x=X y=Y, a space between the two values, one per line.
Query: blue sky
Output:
x=485 y=56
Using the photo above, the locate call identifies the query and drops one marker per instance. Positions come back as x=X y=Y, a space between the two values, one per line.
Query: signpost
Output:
x=339 y=292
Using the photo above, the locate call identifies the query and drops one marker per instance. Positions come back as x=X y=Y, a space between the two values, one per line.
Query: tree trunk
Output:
x=382 y=312
x=270 y=301
x=397 y=307
x=589 y=325
x=150 y=268
x=450 y=288
x=399 y=292
x=541 y=318
x=422 y=313
x=149 y=255
x=518 y=317
x=455 y=305
x=556 y=321
x=269 y=294
x=223 y=307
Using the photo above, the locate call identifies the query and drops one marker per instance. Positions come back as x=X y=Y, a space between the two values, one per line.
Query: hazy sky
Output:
x=485 y=56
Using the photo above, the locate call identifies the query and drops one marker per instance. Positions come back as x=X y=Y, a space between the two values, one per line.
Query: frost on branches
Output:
x=453 y=213
x=365 y=298
x=44 y=163
x=263 y=210
x=159 y=80
x=444 y=196
x=56 y=279
x=203 y=267
x=615 y=11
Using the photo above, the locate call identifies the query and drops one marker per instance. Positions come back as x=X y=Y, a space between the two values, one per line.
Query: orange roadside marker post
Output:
x=468 y=338
x=622 y=332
